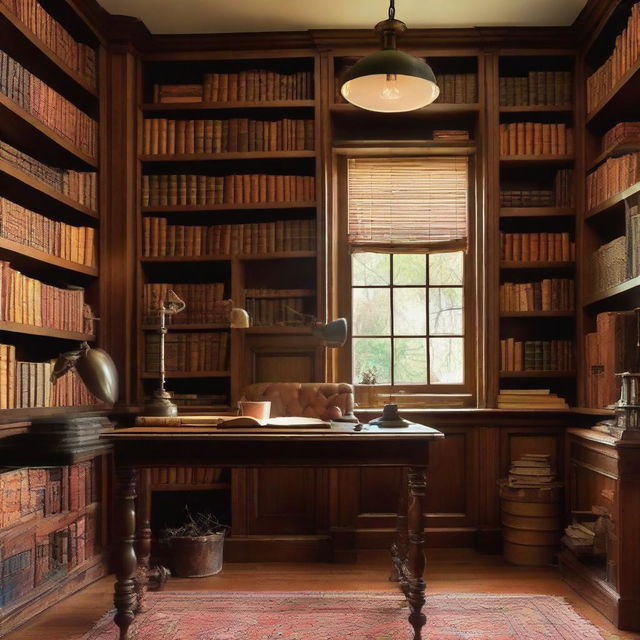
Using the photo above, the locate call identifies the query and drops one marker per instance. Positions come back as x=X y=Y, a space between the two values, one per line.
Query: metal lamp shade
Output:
x=390 y=81
x=98 y=373
x=332 y=334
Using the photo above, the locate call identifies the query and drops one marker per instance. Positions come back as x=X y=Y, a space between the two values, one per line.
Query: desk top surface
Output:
x=337 y=431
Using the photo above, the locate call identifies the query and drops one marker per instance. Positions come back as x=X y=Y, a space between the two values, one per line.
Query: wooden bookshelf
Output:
x=538 y=374
x=188 y=374
x=617 y=149
x=613 y=202
x=629 y=287
x=26 y=329
x=537 y=265
x=524 y=160
x=536 y=108
x=252 y=206
x=536 y=212
x=151 y=107
x=228 y=155
x=537 y=314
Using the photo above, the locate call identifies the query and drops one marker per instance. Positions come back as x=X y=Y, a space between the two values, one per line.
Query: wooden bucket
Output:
x=531 y=524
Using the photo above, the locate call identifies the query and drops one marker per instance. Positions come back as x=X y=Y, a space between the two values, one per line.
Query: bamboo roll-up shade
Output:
x=416 y=202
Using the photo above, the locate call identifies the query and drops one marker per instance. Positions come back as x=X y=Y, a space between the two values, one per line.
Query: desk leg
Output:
x=125 y=598
x=399 y=548
x=143 y=536
x=416 y=559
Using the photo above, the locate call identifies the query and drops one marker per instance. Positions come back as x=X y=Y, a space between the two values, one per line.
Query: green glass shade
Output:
x=390 y=81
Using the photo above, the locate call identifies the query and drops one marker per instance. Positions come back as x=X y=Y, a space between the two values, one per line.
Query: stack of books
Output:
x=530 y=399
x=533 y=471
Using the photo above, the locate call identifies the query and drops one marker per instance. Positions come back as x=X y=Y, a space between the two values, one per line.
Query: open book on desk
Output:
x=223 y=422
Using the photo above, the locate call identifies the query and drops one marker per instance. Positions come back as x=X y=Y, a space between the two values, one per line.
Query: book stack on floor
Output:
x=532 y=470
x=609 y=350
x=537 y=88
x=535 y=138
x=530 y=399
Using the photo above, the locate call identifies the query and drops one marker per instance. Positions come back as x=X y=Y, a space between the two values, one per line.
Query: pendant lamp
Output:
x=390 y=81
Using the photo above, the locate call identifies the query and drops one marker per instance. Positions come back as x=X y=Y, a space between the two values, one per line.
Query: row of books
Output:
x=28 y=301
x=32 y=559
x=458 y=88
x=536 y=355
x=612 y=177
x=26 y=227
x=162 y=136
x=532 y=470
x=36 y=492
x=610 y=349
x=189 y=352
x=537 y=88
x=80 y=186
x=527 y=198
x=285 y=307
x=535 y=138
x=452 y=135
x=163 y=239
x=77 y=55
x=27 y=385
x=204 y=303
x=622 y=133
x=189 y=189
x=609 y=265
x=625 y=54
x=537 y=247
x=550 y=294
x=47 y=106
x=530 y=399
x=252 y=85
x=184 y=475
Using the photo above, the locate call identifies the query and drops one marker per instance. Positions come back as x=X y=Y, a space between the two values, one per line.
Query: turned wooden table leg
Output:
x=401 y=544
x=125 y=598
x=143 y=536
x=416 y=559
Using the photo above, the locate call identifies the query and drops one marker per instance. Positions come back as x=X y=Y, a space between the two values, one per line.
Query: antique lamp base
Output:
x=390 y=418
x=160 y=405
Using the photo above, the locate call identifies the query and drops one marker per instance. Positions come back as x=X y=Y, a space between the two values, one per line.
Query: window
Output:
x=406 y=240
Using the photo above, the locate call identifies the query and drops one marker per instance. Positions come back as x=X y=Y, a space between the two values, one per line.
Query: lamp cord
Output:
x=392 y=9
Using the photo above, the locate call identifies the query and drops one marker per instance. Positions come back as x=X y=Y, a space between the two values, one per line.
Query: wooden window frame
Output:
x=437 y=395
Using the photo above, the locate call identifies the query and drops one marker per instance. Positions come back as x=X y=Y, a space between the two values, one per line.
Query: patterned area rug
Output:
x=197 y=615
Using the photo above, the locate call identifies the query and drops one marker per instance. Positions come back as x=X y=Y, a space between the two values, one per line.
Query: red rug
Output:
x=197 y=615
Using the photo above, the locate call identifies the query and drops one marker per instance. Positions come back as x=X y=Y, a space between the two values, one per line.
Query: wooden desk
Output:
x=340 y=446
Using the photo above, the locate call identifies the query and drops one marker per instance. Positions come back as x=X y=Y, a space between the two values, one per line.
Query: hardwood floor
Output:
x=448 y=570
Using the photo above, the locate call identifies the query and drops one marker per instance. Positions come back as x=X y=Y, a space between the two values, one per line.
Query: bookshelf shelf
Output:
x=48 y=63
x=537 y=265
x=187 y=327
x=435 y=109
x=617 y=149
x=536 y=212
x=21 y=128
x=537 y=314
x=189 y=374
x=23 y=254
x=240 y=155
x=16 y=327
x=612 y=202
x=628 y=287
x=252 y=206
x=238 y=256
x=536 y=160
x=216 y=106
x=620 y=104
x=537 y=374
x=537 y=108
x=33 y=190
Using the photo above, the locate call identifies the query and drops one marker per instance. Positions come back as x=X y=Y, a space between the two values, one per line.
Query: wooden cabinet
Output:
x=604 y=472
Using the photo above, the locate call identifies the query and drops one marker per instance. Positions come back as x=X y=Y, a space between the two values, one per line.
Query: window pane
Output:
x=446 y=268
x=371 y=312
x=372 y=357
x=409 y=312
x=410 y=360
x=370 y=268
x=409 y=268
x=445 y=311
x=446 y=360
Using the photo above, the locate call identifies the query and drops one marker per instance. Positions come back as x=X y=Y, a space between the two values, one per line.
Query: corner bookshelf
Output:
x=608 y=226
x=537 y=262
x=50 y=125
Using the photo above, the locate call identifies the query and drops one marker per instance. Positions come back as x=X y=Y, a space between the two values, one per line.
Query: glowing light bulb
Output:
x=391 y=91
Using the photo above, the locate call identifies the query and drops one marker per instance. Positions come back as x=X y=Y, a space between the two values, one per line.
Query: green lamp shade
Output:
x=390 y=81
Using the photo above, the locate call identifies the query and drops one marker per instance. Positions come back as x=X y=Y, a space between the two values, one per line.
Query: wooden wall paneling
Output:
x=120 y=304
x=488 y=472
x=516 y=441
